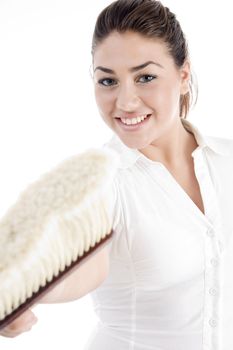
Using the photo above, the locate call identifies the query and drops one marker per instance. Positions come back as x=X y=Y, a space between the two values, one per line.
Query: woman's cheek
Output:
x=164 y=100
x=105 y=108
x=103 y=99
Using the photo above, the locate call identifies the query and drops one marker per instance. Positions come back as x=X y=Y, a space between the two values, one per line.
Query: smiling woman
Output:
x=166 y=281
x=159 y=292
x=131 y=90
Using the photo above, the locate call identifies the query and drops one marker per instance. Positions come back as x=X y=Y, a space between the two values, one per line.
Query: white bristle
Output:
x=55 y=221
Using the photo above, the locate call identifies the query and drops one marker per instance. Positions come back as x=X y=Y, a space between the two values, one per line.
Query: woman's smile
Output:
x=133 y=124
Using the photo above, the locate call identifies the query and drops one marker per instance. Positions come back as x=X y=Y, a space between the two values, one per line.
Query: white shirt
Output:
x=170 y=285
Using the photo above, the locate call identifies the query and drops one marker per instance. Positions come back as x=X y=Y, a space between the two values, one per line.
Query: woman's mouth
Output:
x=133 y=124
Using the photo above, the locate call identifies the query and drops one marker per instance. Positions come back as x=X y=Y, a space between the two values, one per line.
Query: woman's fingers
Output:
x=20 y=325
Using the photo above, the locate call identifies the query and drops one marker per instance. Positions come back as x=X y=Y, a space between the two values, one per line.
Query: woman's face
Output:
x=125 y=91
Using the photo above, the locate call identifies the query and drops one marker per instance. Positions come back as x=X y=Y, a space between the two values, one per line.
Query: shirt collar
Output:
x=129 y=156
x=218 y=145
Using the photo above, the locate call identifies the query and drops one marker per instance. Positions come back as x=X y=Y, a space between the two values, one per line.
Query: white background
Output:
x=48 y=112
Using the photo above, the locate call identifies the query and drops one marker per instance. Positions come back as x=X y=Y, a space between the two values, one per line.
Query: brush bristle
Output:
x=55 y=221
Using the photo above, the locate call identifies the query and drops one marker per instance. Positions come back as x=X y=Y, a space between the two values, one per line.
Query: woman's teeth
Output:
x=134 y=121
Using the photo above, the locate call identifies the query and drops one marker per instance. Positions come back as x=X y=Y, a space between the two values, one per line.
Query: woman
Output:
x=165 y=281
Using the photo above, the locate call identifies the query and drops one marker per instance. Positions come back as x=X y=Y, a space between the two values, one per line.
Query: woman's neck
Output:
x=174 y=149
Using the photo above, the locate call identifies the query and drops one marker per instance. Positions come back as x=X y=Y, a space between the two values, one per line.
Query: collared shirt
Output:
x=170 y=285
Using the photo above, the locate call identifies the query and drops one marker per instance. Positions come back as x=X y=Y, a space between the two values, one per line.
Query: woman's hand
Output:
x=20 y=325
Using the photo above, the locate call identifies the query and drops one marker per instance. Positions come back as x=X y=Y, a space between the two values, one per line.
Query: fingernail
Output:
x=33 y=319
x=32 y=322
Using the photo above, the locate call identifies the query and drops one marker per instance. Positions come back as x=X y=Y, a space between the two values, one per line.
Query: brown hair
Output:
x=153 y=20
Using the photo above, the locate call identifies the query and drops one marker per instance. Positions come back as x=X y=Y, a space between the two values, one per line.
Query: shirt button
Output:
x=213 y=322
x=210 y=232
x=214 y=262
x=213 y=291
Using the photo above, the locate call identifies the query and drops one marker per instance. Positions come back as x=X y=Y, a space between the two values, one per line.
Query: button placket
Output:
x=212 y=258
x=212 y=293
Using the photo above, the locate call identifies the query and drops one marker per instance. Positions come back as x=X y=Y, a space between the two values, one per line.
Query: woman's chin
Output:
x=134 y=144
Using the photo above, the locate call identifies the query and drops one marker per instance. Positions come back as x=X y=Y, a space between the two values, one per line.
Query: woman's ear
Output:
x=185 y=72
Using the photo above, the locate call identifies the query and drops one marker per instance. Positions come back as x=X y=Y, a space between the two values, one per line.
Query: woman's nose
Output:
x=127 y=99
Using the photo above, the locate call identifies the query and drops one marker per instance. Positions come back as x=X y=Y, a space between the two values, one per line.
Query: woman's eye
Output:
x=106 y=82
x=147 y=78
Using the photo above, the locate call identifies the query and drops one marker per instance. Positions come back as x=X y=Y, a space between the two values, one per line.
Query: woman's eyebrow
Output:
x=133 y=69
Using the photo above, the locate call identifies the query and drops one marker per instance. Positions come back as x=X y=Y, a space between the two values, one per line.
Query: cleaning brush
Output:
x=57 y=223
